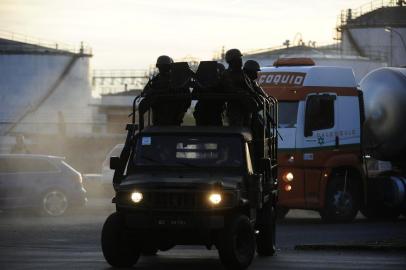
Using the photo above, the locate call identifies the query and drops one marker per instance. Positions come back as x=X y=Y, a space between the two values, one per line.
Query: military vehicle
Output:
x=195 y=185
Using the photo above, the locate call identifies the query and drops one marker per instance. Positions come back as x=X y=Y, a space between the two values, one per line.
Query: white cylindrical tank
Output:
x=385 y=113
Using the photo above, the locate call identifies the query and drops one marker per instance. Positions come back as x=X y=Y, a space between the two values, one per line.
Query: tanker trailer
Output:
x=384 y=142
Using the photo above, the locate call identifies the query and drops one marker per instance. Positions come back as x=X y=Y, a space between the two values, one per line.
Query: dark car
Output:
x=44 y=183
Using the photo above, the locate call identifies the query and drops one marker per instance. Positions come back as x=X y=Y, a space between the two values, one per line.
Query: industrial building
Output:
x=45 y=92
x=43 y=88
x=376 y=30
x=367 y=37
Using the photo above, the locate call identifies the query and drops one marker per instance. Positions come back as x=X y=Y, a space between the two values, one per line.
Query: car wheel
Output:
x=267 y=231
x=54 y=203
x=342 y=204
x=236 y=245
x=116 y=247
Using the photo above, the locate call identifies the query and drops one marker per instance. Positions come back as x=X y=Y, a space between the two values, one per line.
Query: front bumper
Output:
x=79 y=198
x=200 y=220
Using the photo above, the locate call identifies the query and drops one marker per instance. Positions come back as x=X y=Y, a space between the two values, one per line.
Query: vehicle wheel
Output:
x=341 y=205
x=281 y=212
x=115 y=246
x=54 y=203
x=236 y=246
x=267 y=231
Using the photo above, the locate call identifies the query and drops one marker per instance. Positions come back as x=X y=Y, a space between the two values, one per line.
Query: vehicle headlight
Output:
x=136 y=196
x=288 y=177
x=215 y=198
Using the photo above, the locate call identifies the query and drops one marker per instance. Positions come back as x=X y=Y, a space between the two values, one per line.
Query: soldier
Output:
x=161 y=110
x=235 y=80
x=159 y=82
x=209 y=112
x=251 y=69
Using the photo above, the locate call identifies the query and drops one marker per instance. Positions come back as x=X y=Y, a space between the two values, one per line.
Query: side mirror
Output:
x=114 y=163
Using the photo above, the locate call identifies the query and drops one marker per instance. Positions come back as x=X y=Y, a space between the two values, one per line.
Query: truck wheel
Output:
x=236 y=245
x=267 y=233
x=115 y=246
x=341 y=205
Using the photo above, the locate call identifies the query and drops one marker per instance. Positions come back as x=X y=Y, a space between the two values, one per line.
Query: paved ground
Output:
x=73 y=243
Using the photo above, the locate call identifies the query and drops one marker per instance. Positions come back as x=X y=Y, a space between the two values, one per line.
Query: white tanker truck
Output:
x=343 y=146
x=384 y=139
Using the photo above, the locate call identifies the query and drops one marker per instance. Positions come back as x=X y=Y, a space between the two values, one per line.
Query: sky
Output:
x=131 y=34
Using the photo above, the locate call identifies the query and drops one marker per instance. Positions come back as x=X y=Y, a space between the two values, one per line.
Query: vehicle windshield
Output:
x=287 y=114
x=187 y=151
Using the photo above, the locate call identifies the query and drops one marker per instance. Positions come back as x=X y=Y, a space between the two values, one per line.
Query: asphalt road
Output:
x=73 y=242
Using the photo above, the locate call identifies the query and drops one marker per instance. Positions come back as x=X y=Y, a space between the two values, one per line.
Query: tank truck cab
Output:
x=319 y=123
x=194 y=185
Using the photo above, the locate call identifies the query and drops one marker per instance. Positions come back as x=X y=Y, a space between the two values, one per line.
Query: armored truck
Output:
x=195 y=185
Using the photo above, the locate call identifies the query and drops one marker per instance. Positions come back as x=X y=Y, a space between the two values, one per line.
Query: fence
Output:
x=38 y=43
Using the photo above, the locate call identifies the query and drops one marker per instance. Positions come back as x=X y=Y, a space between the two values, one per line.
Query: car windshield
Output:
x=188 y=151
x=287 y=114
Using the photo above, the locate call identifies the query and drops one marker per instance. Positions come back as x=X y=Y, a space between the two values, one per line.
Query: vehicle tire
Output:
x=236 y=245
x=281 y=212
x=116 y=247
x=54 y=203
x=340 y=205
x=267 y=231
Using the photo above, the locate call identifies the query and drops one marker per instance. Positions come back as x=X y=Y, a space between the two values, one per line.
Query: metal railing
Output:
x=352 y=14
x=38 y=43
x=120 y=73
x=110 y=81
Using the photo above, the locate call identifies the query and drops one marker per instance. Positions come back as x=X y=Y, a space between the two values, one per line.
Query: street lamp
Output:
x=391 y=31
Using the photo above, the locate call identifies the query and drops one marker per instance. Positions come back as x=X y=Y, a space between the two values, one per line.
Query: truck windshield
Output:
x=287 y=114
x=186 y=151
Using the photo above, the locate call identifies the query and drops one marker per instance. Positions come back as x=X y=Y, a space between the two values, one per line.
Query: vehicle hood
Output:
x=181 y=180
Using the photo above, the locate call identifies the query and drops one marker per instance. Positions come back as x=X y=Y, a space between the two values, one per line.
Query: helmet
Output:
x=164 y=60
x=251 y=65
x=233 y=54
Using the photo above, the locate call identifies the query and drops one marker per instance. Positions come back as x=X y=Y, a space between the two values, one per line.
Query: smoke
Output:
x=46 y=97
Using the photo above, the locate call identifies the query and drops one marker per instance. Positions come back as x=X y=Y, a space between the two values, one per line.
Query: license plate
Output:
x=171 y=222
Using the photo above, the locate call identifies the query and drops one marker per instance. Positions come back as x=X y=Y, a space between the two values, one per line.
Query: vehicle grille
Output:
x=175 y=200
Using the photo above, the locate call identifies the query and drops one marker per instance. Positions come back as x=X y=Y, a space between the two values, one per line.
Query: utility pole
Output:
x=391 y=31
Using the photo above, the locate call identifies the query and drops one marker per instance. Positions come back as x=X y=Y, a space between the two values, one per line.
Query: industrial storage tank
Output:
x=384 y=92
x=42 y=87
